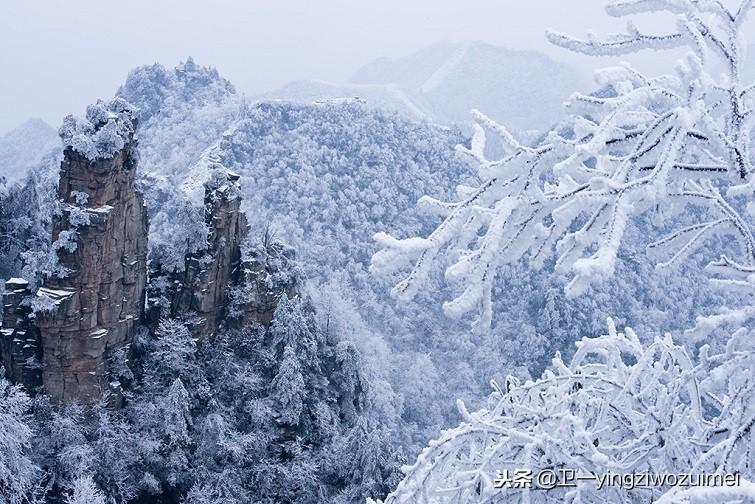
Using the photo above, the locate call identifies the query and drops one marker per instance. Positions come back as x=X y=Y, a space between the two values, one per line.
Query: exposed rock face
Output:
x=91 y=311
x=269 y=272
x=200 y=291
x=20 y=343
x=101 y=238
x=217 y=284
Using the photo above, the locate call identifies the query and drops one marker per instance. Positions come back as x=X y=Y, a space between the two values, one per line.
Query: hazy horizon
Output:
x=63 y=56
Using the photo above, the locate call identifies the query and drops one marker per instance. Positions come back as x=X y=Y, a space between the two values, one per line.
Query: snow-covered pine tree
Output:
x=637 y=144
x=18 y=473
x=288 y=388
x=85 y=491
x=175 y=350
x=177 y=424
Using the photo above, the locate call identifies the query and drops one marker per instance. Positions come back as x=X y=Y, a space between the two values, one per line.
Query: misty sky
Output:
x=57 y=55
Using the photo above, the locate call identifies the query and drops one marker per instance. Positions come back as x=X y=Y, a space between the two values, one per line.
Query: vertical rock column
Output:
x=101 y=239
x=20 y=345
x=202 y=290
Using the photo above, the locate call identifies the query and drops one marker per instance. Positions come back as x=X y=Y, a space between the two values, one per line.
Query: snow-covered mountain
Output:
x=523 y=89
x=326 y=176
x=320 y=170
x=383 y=96
x=24 y=147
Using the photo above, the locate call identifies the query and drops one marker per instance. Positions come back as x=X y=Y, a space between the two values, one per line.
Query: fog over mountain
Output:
x=23 y=147
x=445 y=81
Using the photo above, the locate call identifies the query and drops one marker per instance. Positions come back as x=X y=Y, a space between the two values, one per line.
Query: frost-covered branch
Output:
x=638 y=144
x=617 y=407
x=619 y=44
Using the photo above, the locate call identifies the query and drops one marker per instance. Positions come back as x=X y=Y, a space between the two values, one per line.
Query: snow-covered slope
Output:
x=382 y=96
x=328 y=174
x=325 y=176
x=24 y=147
x=183 y=110
x=523 y=89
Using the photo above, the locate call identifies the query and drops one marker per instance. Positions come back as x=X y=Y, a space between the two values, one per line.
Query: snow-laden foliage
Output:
x=85 y=491
x=618 y=407
x=258 y=414
x=674 y=148
x=183 y=111
x=18 y=473
x=324 y=173
x=214 y=421
x=325 y=177
x=156 y=90
x=104 y=131
x=639 y=144
x=26 y=214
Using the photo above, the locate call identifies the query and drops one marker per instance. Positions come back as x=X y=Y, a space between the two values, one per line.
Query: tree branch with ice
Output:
x=618 y=407
x=638 y=144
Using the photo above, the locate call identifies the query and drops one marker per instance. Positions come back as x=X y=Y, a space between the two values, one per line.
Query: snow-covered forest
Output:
x=460 y=265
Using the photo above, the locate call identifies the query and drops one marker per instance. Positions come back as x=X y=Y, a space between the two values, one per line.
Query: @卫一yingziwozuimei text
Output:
x=548 y=479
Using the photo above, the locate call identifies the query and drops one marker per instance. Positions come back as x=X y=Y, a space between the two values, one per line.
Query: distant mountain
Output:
x=523 y=89
x=329 y=173
x=383 y=96
x=24 y=147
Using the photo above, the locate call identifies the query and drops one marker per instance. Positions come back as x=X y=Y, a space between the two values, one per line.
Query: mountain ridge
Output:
x=428 y=85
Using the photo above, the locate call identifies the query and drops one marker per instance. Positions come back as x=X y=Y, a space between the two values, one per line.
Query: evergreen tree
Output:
x=287 y=388
x=177 y=423
x=18 y=473
x=84 y=491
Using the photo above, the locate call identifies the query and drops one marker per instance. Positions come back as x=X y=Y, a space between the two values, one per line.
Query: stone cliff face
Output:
x=91 y=310
x=217 y=284
x=269 y=272
x=20 y=343
x=199 y=293
x=101 y=238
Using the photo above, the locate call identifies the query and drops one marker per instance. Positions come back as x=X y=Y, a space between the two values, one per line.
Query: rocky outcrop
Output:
x=20 y=343
x=269 y=272
x=101 y=240
x=199 y=293
x=89 y=310
x=217 y=283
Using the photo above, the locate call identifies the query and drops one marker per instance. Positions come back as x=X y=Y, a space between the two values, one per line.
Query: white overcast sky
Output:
x=58 y=55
